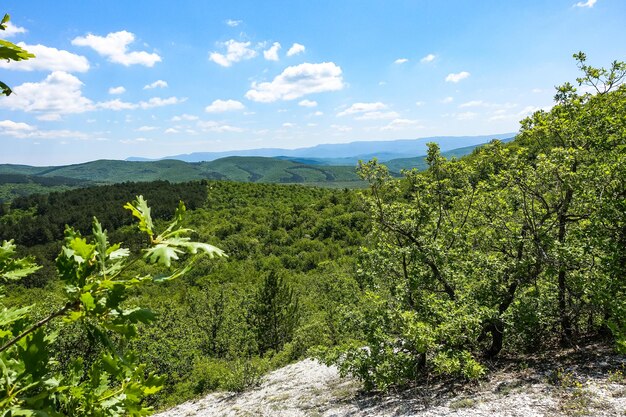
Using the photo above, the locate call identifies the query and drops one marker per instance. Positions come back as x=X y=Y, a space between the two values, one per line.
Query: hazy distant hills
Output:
x=313 y=166
x=348 y=153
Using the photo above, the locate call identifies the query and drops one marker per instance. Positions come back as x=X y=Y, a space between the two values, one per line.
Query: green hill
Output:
x=18 y=180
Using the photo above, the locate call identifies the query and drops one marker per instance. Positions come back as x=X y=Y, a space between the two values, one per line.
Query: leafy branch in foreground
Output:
x=10 y=52
x=97 y=281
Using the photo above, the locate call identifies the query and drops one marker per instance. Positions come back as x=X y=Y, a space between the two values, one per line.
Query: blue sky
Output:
x=114 y=79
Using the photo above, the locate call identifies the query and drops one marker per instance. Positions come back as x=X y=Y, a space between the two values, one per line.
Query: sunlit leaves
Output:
x=11 y=52
x=97 y=282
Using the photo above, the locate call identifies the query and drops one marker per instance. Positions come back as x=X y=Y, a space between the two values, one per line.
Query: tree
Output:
x=98 y=277
x=10 y=52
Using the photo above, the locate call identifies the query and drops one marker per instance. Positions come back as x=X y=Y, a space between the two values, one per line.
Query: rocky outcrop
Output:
x=595 y=387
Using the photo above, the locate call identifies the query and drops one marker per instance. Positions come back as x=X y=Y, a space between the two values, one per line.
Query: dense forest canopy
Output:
x=517 y=247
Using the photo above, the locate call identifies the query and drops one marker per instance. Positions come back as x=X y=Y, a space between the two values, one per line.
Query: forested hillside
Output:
x=516 y=248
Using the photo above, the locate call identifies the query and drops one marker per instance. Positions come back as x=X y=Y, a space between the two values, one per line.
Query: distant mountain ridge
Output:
x=347 y=153
x=337 y=171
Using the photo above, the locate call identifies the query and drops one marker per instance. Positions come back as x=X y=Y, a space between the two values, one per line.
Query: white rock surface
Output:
x=308 y=388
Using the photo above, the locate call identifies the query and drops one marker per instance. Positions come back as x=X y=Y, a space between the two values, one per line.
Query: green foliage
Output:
x=97 y=283
x=10 y=52
x=516 y=246
x=274 y=314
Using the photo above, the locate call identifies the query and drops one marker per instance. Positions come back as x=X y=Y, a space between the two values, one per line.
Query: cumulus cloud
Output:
x=363 y=108
x=297 y=81
x=588 y=3
x=428 y=58
x=170 y=130
x=8 y=126
x=156 y=84
x=474 y=103
x=233 y=23
x=307 y=103
x=23 y=130
x=287 y=124
x=219 y=106
x=341 y=128
x=272 y=53
x=59 y=93
x=187 y=117
x=117 y=90
x=295 y=49
x=235 y=52
x=455 y=78
x=468 y=115
x=114 y=46
x=160 y=102
x=399 y=124
x=135 y=141
x=378 y=115
x=400 y=61
x=146 y=128
x=48 y=59
x=11 y=30
x=117 y=104
x=212 y=126
x=447 y=100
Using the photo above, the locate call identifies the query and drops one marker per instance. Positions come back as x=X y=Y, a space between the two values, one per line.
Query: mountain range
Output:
x=331 y=165
x=347 y=153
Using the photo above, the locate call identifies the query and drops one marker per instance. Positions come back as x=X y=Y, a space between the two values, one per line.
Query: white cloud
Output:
x=8 y=126
x=536 y=90
x=287 y=124
x=307 y=103
x=219 y=106
x=419 y=103
x=146 y=128
x=11 y=30
x=117 y=90
x=117 y=104
x=211 y=126
x=400 y=61
x=235 y=52
x=24 y=130
x=160 y=102
x=272 y=53
x=156 y=84
x=399 y=124
x=428 y=58
x=378 y=115
x=295 y=49
x=318 y=113
x=455 y=78
x=233 y=23
x=187 y=117
x=341 y=128
x=59 y=93
x=588 y=3
x=48 y=59
x=114 y=46
x=468 y=115
x=363 y=108
x=134 y=141
x=171 y=130
x=447 y=100
x=474 y=103
x=297 y=81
